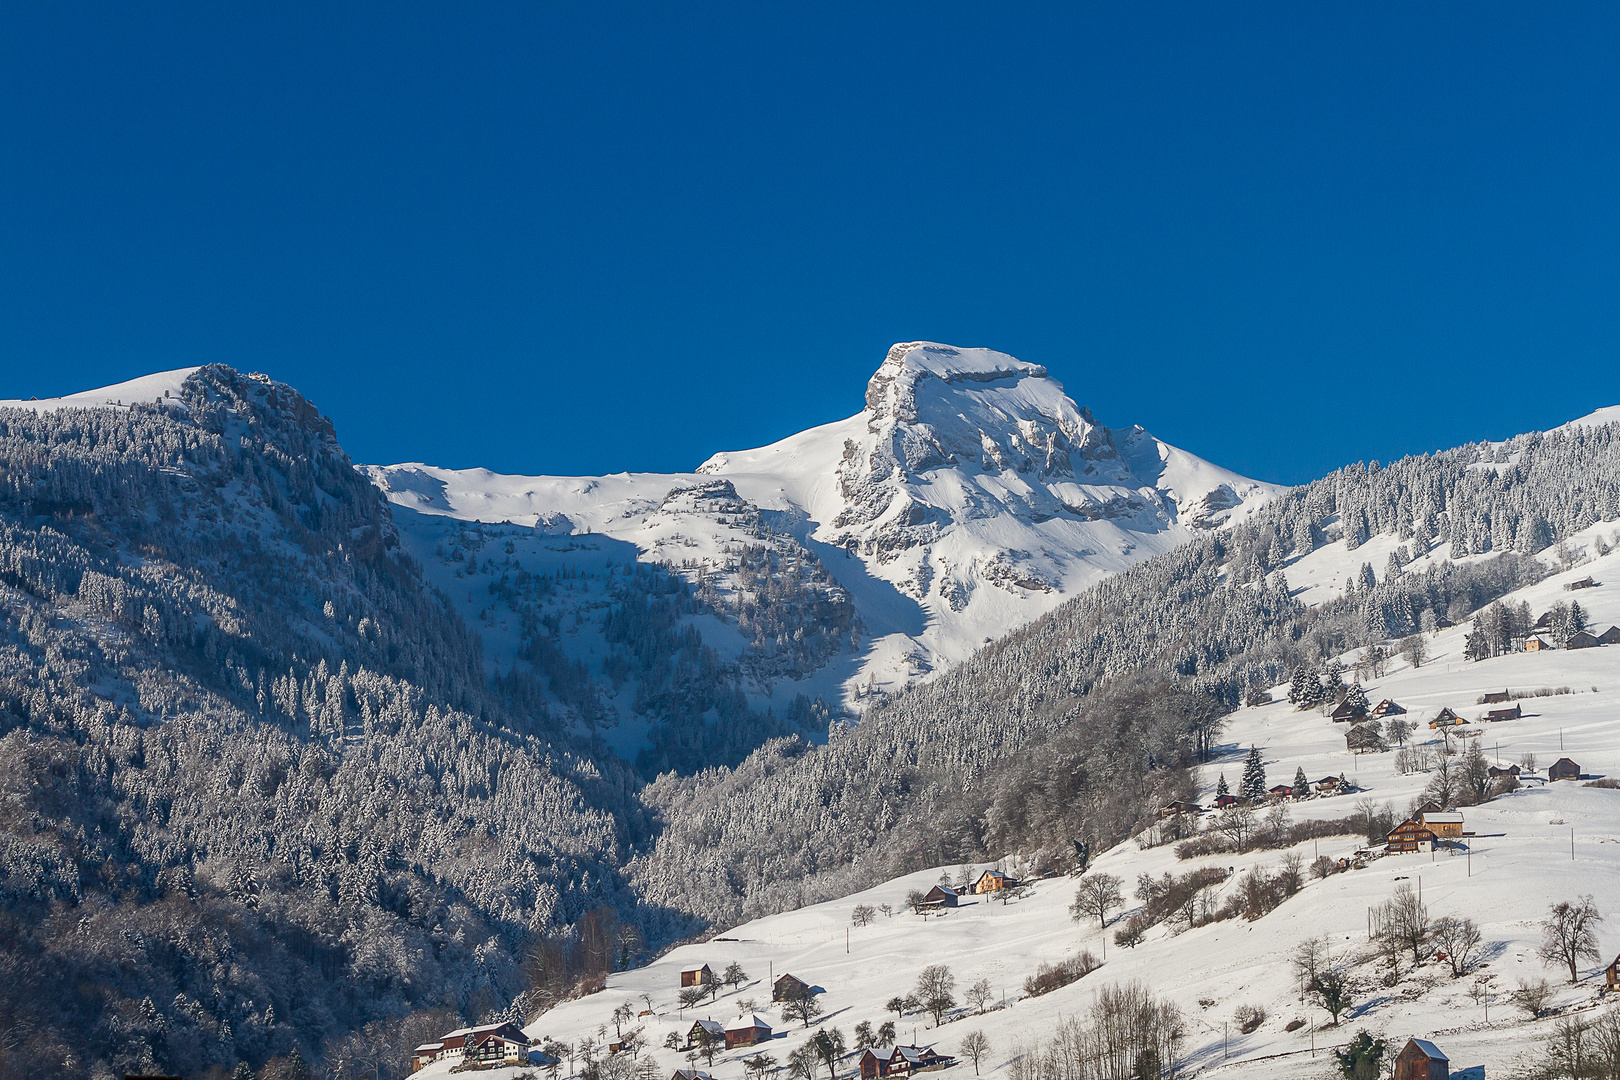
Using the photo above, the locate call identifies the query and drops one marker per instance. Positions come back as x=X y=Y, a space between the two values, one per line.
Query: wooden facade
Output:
x=1536 y=643
x=1420 y=1059
x=1563 y=769
x=486 y=1043
x=1410 y=836
x=1496 y=716
x=1496 y=697
x=747 y=1033
x=1611 y=636
x=940 y=896
x=1347 y=713
x=873 y=1066
x=702 y=976
x=1445 y=718
x=994 y=880
x=788 y=988
x=1445 y=824
x=1582 y=640
x=702 y=1031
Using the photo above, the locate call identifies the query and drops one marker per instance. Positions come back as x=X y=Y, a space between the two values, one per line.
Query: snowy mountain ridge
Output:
x=970 y=496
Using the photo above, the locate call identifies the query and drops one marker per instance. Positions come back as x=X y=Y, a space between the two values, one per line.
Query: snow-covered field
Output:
x=1541 y=844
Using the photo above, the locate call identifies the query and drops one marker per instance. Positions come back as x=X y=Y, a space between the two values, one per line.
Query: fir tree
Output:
x=1301 y=784
x=1221 y=790
x=1254 y=777
x=1300 y=687
x=1357 y=697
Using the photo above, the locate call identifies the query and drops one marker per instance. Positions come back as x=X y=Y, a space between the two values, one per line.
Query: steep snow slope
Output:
x=969 y=496
x=1520 y=862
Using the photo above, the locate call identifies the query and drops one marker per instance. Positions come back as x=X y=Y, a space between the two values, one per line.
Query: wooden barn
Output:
x=1329 y=783
x=698 y=977
x=1223 y=801
x=1582 y=640
x=873 y=1066
x=1420 y=1059
x=1410 y=836
x=940 y=896
x=1347 y=712
x=1611 y=975
x=1363 y=739
x=1496 y=697
x=1388 y=708
x=1563 y=769
x=997 y=880
x=1611 y=636
x=747 y=1032
x=788 y=988
x=689 y=1074
x=1496 y=716
x=1498 y=770
x=1445 y=824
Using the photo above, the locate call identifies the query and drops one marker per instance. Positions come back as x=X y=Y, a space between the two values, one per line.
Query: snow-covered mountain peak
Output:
x=970 y=496
x=146 y=388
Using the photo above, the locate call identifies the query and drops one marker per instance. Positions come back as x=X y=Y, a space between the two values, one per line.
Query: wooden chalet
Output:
x=994 y=880
x=1168 y=810
x=1329 y=783
x=940 y=896
x=1536 y=643
x=1445 y=824
x=485 y=1044
x=1281 y=791
x=873 y=1066
x=788 y=988
x=701 y=976
x=911 y=1059
x=1582 y=640
x=1444 y=718
x=1388 y=708
x=1420 y=1059
x=1496 y=697
x=747 y=1032
x=1499 y=770
x=1223 y=801
x=1544 y=622
x=702 y=1031
x=1611 y=975
x=1410 y=836
x=1611 y=636
x=1347 y=712
x=690 y=1074
x=1496 y=716
x=1584 y=583
x=1563 y=769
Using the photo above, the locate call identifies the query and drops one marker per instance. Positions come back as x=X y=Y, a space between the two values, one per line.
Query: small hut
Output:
x=1420 y=1059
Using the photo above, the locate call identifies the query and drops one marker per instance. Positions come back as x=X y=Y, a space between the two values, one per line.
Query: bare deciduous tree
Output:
x=975 y=1047
x=1097 y=895
x=1569 y=934
x=1458 y=939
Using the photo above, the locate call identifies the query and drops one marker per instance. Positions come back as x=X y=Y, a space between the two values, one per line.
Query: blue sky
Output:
x=592 y=237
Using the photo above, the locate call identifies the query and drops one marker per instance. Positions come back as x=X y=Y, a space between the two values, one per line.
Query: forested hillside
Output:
x=255 y=791
x=259 y=795
x=1125 y=683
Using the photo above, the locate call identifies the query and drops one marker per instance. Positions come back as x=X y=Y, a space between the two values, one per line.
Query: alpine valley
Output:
x=305 y=765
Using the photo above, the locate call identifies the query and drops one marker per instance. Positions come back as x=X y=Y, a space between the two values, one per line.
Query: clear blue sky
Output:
x=575 y=238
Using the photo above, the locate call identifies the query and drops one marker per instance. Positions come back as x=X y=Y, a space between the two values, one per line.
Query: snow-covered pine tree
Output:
x=1301 y=783
x=1357 y=697
x=1221 y=790
x=1254 y=777
x=1300 y=687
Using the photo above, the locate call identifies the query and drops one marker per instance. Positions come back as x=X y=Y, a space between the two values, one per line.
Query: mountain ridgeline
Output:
x=264 y=791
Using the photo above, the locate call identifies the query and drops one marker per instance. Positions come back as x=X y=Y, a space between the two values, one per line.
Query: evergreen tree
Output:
x=1253 y=787
x=1356 y=698
x=1301 y=783
x=1221 y=790
x=1577 y=617
x=1300 y=688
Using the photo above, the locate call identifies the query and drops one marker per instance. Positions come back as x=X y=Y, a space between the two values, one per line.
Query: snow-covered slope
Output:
x=969 y=496
x=1520 y=860
x=147 y=388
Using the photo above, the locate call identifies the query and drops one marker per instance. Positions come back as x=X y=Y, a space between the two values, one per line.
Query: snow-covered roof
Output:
x=425 y=1047
x=1443 y=817
x=1429 y=1049
x=749 y=1024
x=711 y=1026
